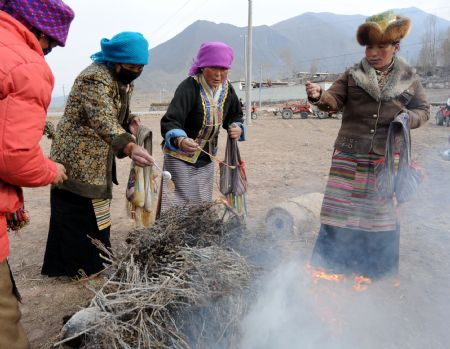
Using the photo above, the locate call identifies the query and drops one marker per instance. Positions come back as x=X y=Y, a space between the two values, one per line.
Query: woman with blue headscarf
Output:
x=96 y=127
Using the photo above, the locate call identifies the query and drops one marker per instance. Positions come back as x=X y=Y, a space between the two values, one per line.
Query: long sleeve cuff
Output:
x=120 y=142
x=170 y=135
x=244 y=131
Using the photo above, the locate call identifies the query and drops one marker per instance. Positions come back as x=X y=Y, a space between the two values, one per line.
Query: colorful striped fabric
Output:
x=238 y=203
x=102 y=212
x=193 y=185
x=351 y=199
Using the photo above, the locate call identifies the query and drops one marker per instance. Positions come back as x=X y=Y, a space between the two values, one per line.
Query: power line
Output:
x=341 y=55
x=171 y=17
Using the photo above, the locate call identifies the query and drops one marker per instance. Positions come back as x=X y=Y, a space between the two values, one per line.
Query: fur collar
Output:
x=400 y=79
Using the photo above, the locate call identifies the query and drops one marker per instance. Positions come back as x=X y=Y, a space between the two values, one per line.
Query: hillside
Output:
x=325 y=40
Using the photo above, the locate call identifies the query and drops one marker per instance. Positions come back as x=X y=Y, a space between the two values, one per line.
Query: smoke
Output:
x=295 y=311
x=292 y=309
x=283 y=315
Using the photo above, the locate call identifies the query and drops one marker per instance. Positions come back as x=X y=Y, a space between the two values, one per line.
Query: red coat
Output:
x=26 y=83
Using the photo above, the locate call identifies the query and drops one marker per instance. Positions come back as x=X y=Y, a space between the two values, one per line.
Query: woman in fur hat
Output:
x=359 y=230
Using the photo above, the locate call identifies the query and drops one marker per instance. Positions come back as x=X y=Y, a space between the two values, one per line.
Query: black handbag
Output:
x=233 y=179
x=404 y=181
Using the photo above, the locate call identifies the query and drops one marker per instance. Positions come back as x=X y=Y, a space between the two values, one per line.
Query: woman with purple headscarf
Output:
x=203 y=102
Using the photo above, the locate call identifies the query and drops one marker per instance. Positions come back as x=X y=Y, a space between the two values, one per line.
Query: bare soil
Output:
x=285 y=158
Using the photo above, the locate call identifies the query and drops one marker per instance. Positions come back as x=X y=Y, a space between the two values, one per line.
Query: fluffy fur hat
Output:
x=383 y=28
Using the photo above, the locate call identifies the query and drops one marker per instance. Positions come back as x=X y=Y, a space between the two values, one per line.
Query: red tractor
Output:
x=298 y=107
x=304 y=109
x=253 y=114
x=443 y=116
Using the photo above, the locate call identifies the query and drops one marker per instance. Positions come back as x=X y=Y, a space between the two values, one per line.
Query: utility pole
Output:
x=245 y=54
x=260 y=84
x=64 y=94
x=248 y=79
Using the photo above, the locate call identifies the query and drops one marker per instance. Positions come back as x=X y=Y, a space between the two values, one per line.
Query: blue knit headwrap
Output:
x=125 y=47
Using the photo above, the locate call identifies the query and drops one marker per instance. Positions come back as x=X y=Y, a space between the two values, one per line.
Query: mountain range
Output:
x=321 y=41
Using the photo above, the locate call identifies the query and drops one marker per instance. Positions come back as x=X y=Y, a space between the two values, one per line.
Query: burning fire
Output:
x=322 y=275
x=331 y=300
x=360 y=282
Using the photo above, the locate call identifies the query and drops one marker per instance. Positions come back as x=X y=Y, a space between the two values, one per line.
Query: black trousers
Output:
x=348 y=251
x=69 y=247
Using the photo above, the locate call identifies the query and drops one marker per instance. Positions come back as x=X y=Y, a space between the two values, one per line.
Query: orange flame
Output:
x=320 y=274
x=361 y=283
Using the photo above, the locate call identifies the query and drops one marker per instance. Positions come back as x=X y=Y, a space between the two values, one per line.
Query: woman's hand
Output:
x=313 y=90
x=138 y=154
x=234 y=131
x=61 y=175
x=187 y=145
x=134 y=125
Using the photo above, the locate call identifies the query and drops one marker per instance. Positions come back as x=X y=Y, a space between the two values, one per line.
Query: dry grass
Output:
x=180 y=285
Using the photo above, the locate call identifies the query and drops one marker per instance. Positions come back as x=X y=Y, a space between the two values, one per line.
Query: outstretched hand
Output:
x=313 y=90
x=139 y=155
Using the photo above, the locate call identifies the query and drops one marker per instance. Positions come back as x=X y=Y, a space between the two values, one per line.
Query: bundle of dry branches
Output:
x=180 y=285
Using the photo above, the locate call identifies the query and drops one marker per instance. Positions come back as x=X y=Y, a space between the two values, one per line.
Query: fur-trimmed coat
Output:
x=92 y=131
x=367 y=111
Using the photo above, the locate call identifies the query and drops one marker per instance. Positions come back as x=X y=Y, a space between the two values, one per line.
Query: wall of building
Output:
x=276 y=94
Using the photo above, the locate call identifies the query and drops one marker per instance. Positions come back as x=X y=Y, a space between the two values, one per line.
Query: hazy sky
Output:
x=160 y=20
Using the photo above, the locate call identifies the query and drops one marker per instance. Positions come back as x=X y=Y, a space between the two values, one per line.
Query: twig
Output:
x=75 y=336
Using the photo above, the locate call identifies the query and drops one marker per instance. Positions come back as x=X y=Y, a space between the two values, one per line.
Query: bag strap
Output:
x=405 y=134
x=144 y=138
x=389 y=157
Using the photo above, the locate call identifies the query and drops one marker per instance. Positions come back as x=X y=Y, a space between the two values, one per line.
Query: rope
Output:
x=218 y=160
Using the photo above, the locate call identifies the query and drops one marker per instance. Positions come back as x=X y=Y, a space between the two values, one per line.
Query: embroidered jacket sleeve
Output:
x=335 y=97
x=102 y=115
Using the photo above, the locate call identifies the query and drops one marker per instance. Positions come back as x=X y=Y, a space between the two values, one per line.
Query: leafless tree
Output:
x=428 y=53
x=314 y=67
x=288 y=60
x=444 y=51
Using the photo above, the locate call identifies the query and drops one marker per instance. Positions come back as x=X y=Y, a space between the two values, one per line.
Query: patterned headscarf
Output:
x=212 y=54
x=51 y=17
x=125 y=47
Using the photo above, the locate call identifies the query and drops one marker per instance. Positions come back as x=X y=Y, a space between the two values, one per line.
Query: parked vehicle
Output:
x=443 y=116
x=253 y=115
x=304 y=109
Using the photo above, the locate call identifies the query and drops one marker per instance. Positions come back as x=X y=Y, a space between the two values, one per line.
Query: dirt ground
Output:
x=285 y=158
